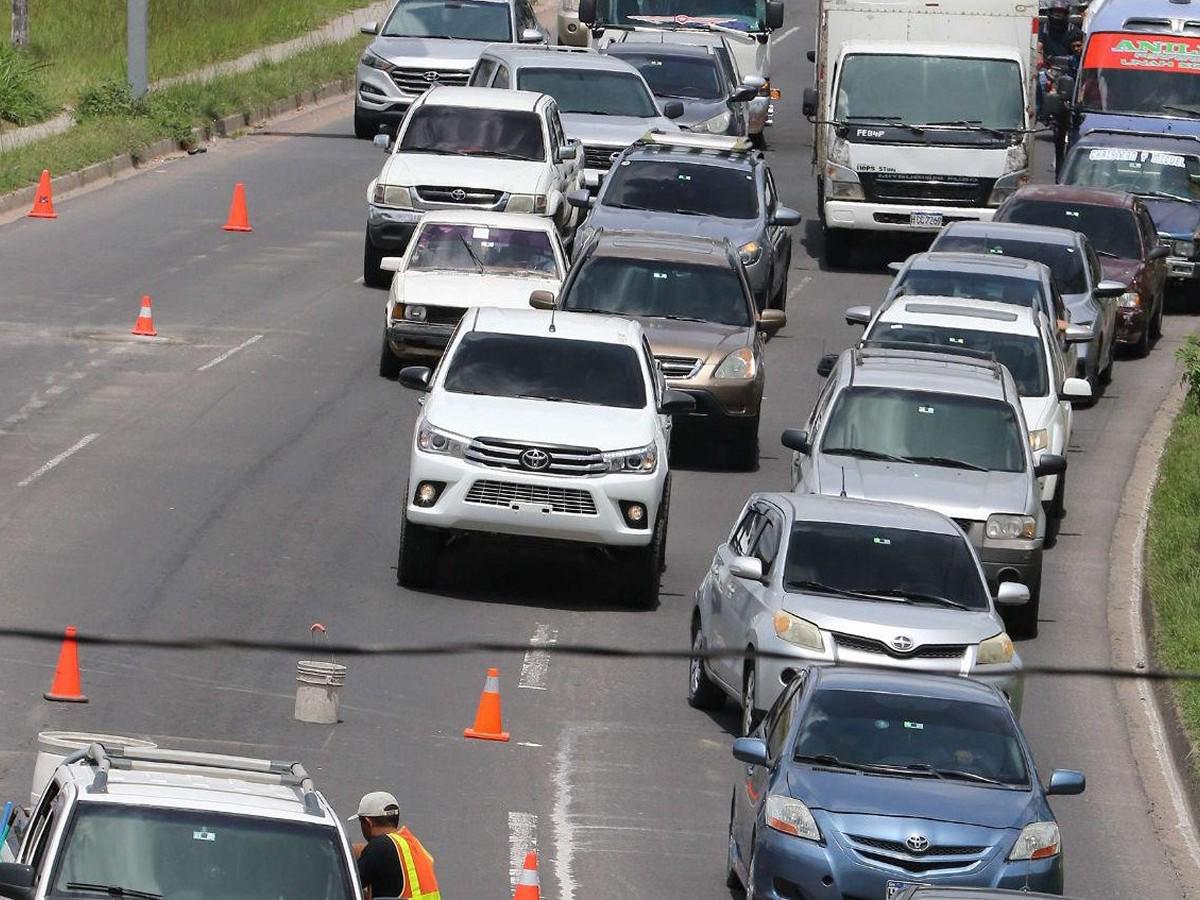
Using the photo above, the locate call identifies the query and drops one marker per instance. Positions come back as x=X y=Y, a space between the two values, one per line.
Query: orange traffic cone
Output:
x=66 y=686
x=144 y=326
x=239 y=218
x=487 y=717
x=528 y=887
x=43 y=203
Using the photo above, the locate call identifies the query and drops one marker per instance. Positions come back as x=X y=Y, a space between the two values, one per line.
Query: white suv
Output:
x=542 y=425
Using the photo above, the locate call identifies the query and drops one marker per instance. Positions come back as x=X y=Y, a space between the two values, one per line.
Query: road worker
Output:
x=391 y=861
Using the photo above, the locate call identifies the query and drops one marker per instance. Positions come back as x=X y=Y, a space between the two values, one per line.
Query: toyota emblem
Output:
x=535 y=459
x=432 y=76
x=902 y=643
x=917 y=843
x=458 y=195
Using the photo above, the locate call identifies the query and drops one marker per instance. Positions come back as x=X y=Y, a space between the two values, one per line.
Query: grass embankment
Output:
x=111 y=123
x=1173 y=557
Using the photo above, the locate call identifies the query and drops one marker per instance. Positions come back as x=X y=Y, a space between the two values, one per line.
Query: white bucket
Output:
x=317 y=687
x=55 y=746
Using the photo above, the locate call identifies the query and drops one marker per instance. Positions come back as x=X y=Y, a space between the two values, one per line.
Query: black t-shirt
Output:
x=380 y=869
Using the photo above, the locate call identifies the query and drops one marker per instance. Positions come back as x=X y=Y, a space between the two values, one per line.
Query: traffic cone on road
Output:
x=239 y=218
x=43 y=202
x=66 y=687
x=144 y=326
x=487 y=717
x=527 y=886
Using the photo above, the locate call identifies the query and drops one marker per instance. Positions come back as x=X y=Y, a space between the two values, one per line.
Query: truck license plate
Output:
x=925 y=220
x=895 y=887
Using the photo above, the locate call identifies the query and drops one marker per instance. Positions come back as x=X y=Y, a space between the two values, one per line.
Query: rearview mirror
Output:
x=382 y=141
x=825 y=364
x=567 y=151
x=748 y=567
x=369 y=28
x=1078 y=334
x=580 y=199
x=751 y=751
x=1012 y=593
x=531 y=36
x=1065 y=782
x=808 y=103
x=811 y=56
x=795 y=439
x=1111 y=288
x=1065 y=88
x=673 y=109
x=676 y=403
x=16 y=881
x=415 y=378
x=587 y=12
x=391 y=263
x=1076 y=389
x=771 y=320
x=774 y=17
x=785 y=217
x=754 y=81
x=542 y=299
x=1050 y=464
x=1158 y=253
x=858 y=315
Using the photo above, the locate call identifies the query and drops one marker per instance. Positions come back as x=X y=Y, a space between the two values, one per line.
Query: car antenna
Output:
x=552 y=309
x=843 y=468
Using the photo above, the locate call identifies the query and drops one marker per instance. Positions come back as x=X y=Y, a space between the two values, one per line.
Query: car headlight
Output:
x=800 y=632
x=526 y=203
x=1039 y=440
x=738 y=364
x=750 y=252
x=995 y=650
x=391 y=195
x=1130 y=300
x=638 y=459
x=842 y=183
x=414 y=313
x=376 y=62
x=1183 y=248
x=1004 y=527
x=434 y=440
x=1007 y=186
x=839 y=152
x=718 y=124
x=1038 y=840
x=790 y=816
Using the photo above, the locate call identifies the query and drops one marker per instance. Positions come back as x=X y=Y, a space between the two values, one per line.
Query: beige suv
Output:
x=694 y=303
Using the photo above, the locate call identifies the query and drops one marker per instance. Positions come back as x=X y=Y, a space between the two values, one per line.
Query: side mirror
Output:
x=747 y=567
x=415 y=377
x=16 y=881
x=391 y=263
x=568 y=151
x=895 y=267
x=531 y=36
x=1065 y=88
x=587 y=12
x=1053 y=106
x=796 y=439
x=808 y=102
x=751 y=751
x=1012 y=593
x=542 y=299
x=1158 y=253
x=826 y=363
x=1111 y=288
x=369 y=28
x=1064 y=782
x=676 y=403
x=811 y=56
x=754 y=81
x=1076 y=389
x=774 y=16
x=858 y=315
x=1050 y=464
x=673 y=109
x=1078 y=334
x=382 y=141
x=771 y=320
x=744 y=94
x=785 y=217
x=580 y=199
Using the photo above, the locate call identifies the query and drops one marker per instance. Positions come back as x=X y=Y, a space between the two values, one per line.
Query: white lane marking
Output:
x=522 y=837
x=787 y=33
x=536 y=666
x=62 y=457
x=528 y=744
x=228 y=353
x=564 y=829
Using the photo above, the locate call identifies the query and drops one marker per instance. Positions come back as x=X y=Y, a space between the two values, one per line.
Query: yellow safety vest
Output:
x=419 y=881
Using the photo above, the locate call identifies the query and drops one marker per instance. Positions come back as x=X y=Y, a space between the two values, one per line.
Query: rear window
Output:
x=1063 y=260
x=1112 y=230
x=971 y=285
x=690 y=189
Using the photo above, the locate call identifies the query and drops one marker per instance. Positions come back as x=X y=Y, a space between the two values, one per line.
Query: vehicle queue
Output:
x=885 y=756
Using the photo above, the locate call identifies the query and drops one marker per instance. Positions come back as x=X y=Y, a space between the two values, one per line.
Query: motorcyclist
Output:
x=1057 y=36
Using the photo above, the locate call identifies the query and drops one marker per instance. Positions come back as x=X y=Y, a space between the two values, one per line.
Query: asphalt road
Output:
x=252 y=494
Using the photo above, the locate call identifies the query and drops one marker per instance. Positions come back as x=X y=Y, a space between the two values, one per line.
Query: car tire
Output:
x=839 y=242
x=1156 y=324
x=364 y=129
x=703 y=692
x=420 y=547
x=731 y=876
x=645 y=565
x=751 y=714
x=1058 y=508
x=1023 y=622
x=742 y=452
x=1142 y=348
x=779 y=300
x=1104 y=376
x=389 y=362
x=373 y=276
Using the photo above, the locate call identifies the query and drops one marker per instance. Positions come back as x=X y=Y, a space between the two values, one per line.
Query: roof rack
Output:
x=186 y=762
x=1132 y=132
x=719 y=142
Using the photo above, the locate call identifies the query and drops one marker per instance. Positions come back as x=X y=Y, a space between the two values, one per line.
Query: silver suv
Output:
x=938 y=429
x=423 y=43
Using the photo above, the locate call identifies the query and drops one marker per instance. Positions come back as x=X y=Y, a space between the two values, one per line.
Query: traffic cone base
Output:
x=144 y=326
x=239 y=218
x=487 y=717
x=66 y=687
x=528 y=887
x=43 y=201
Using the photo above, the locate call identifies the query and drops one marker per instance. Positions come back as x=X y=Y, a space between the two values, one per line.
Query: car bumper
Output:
x=860 y=216
x=391 y=229
x=534 y=515
x=1132 y=323
x=377 y=97
x=718 y=405
x=423 y=338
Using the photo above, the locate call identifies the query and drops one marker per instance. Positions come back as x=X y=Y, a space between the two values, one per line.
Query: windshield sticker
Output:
x=1071 y=212
x=682 y=177
x=882 y=724
x=955 y=340
x=884 y=541
x=916 y=726
x=662 y=275
x=1139 y=52
x=926 y=410
x=1155 y=158
x=480 y=234
x=203 y=835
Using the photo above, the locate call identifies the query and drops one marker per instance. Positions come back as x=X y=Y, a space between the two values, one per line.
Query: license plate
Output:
x=925 y=220
x=895 y=887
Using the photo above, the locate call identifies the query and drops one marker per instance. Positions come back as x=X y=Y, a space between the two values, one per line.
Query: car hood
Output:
x=1038 y=411
x=697 y=111
x=958 y=493
x=615 y=131
x=464 y=289
x=854 y=793
x=510 y=175
x=737 y=231
x=539 y=422
x=1123 y=270
x=886 y=619
x=436 y=53
x=1173 y=217
x=709 y=341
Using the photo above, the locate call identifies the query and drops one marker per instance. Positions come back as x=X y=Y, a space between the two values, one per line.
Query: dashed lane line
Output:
x=536 y=667
x=228 y=353
x=522 y=837
x=57 y=460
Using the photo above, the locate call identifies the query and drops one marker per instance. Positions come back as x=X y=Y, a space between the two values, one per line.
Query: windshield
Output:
x=865 y=559
x=1020 y=353
x=634 y=287
x=1062 y=259
x=1137 y=171
x=888 y=729
x=972 y=285
x=685 y=77
x=467 y=131
x=921 y=90
x=920 y=426
x=1141 y=75
x=175 y=853
x=742 y=15
x=591 y=92
x=466 y=20
x=682 y=188
x=1111 y=229
x=518 y=365
x=480 y=249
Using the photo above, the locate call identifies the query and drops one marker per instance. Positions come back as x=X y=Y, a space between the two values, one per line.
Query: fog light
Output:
x=635 y=514
x=428 y=492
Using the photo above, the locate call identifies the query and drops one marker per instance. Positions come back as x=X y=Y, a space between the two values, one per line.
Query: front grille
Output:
x=501 y=454
x=417 y=81
x=552 y=499
x=898 y=847
x=886 y=187
x=679 y=366
x=456 y=196
x=600 y=157
x=928 y=651
x=443 y=315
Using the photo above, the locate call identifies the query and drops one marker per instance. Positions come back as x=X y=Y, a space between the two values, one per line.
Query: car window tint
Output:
x=503 y=133
x=591 y=92
x=502 y=79
x=1062 y=259
x=767 y=544
x=968 y=284
x=440 y=246
x=467 y=20
x=778 y=726
x=745 y=533
x=690 y=189
x=1134 y=170
x=671 y=75
x=484 y=70
x=1111 y=229
x=659 y=289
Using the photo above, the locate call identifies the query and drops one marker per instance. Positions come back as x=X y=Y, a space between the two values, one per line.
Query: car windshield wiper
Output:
x=959 y=775
x=865 y=454
x=817 y=587
x=112 y=890
x=552 y=399
x=1165 y=195
x=1107 y=253
x=913 y=597
x=435 y=151
x=475 y=259
x=973 y=125
x=828 y=759
x=949 y=461
x=674 y=318
x=500 y=154
x=1186 y=110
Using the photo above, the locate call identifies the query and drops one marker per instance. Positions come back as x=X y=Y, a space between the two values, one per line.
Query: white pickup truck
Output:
x=470 y=148
x=923 y=113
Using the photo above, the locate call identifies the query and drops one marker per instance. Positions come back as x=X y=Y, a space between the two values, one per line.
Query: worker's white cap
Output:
x=377 y=805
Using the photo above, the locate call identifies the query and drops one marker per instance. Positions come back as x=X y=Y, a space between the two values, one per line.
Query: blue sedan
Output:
x=860 y=784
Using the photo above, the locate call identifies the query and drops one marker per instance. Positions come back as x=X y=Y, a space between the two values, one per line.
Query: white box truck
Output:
x=923 y=113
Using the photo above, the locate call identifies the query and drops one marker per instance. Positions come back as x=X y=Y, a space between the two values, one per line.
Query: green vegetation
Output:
x=22 y=91
x=111 y=122
x=1173 y=548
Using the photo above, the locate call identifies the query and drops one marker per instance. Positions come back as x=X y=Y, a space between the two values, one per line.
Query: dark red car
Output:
x=1123 y=233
